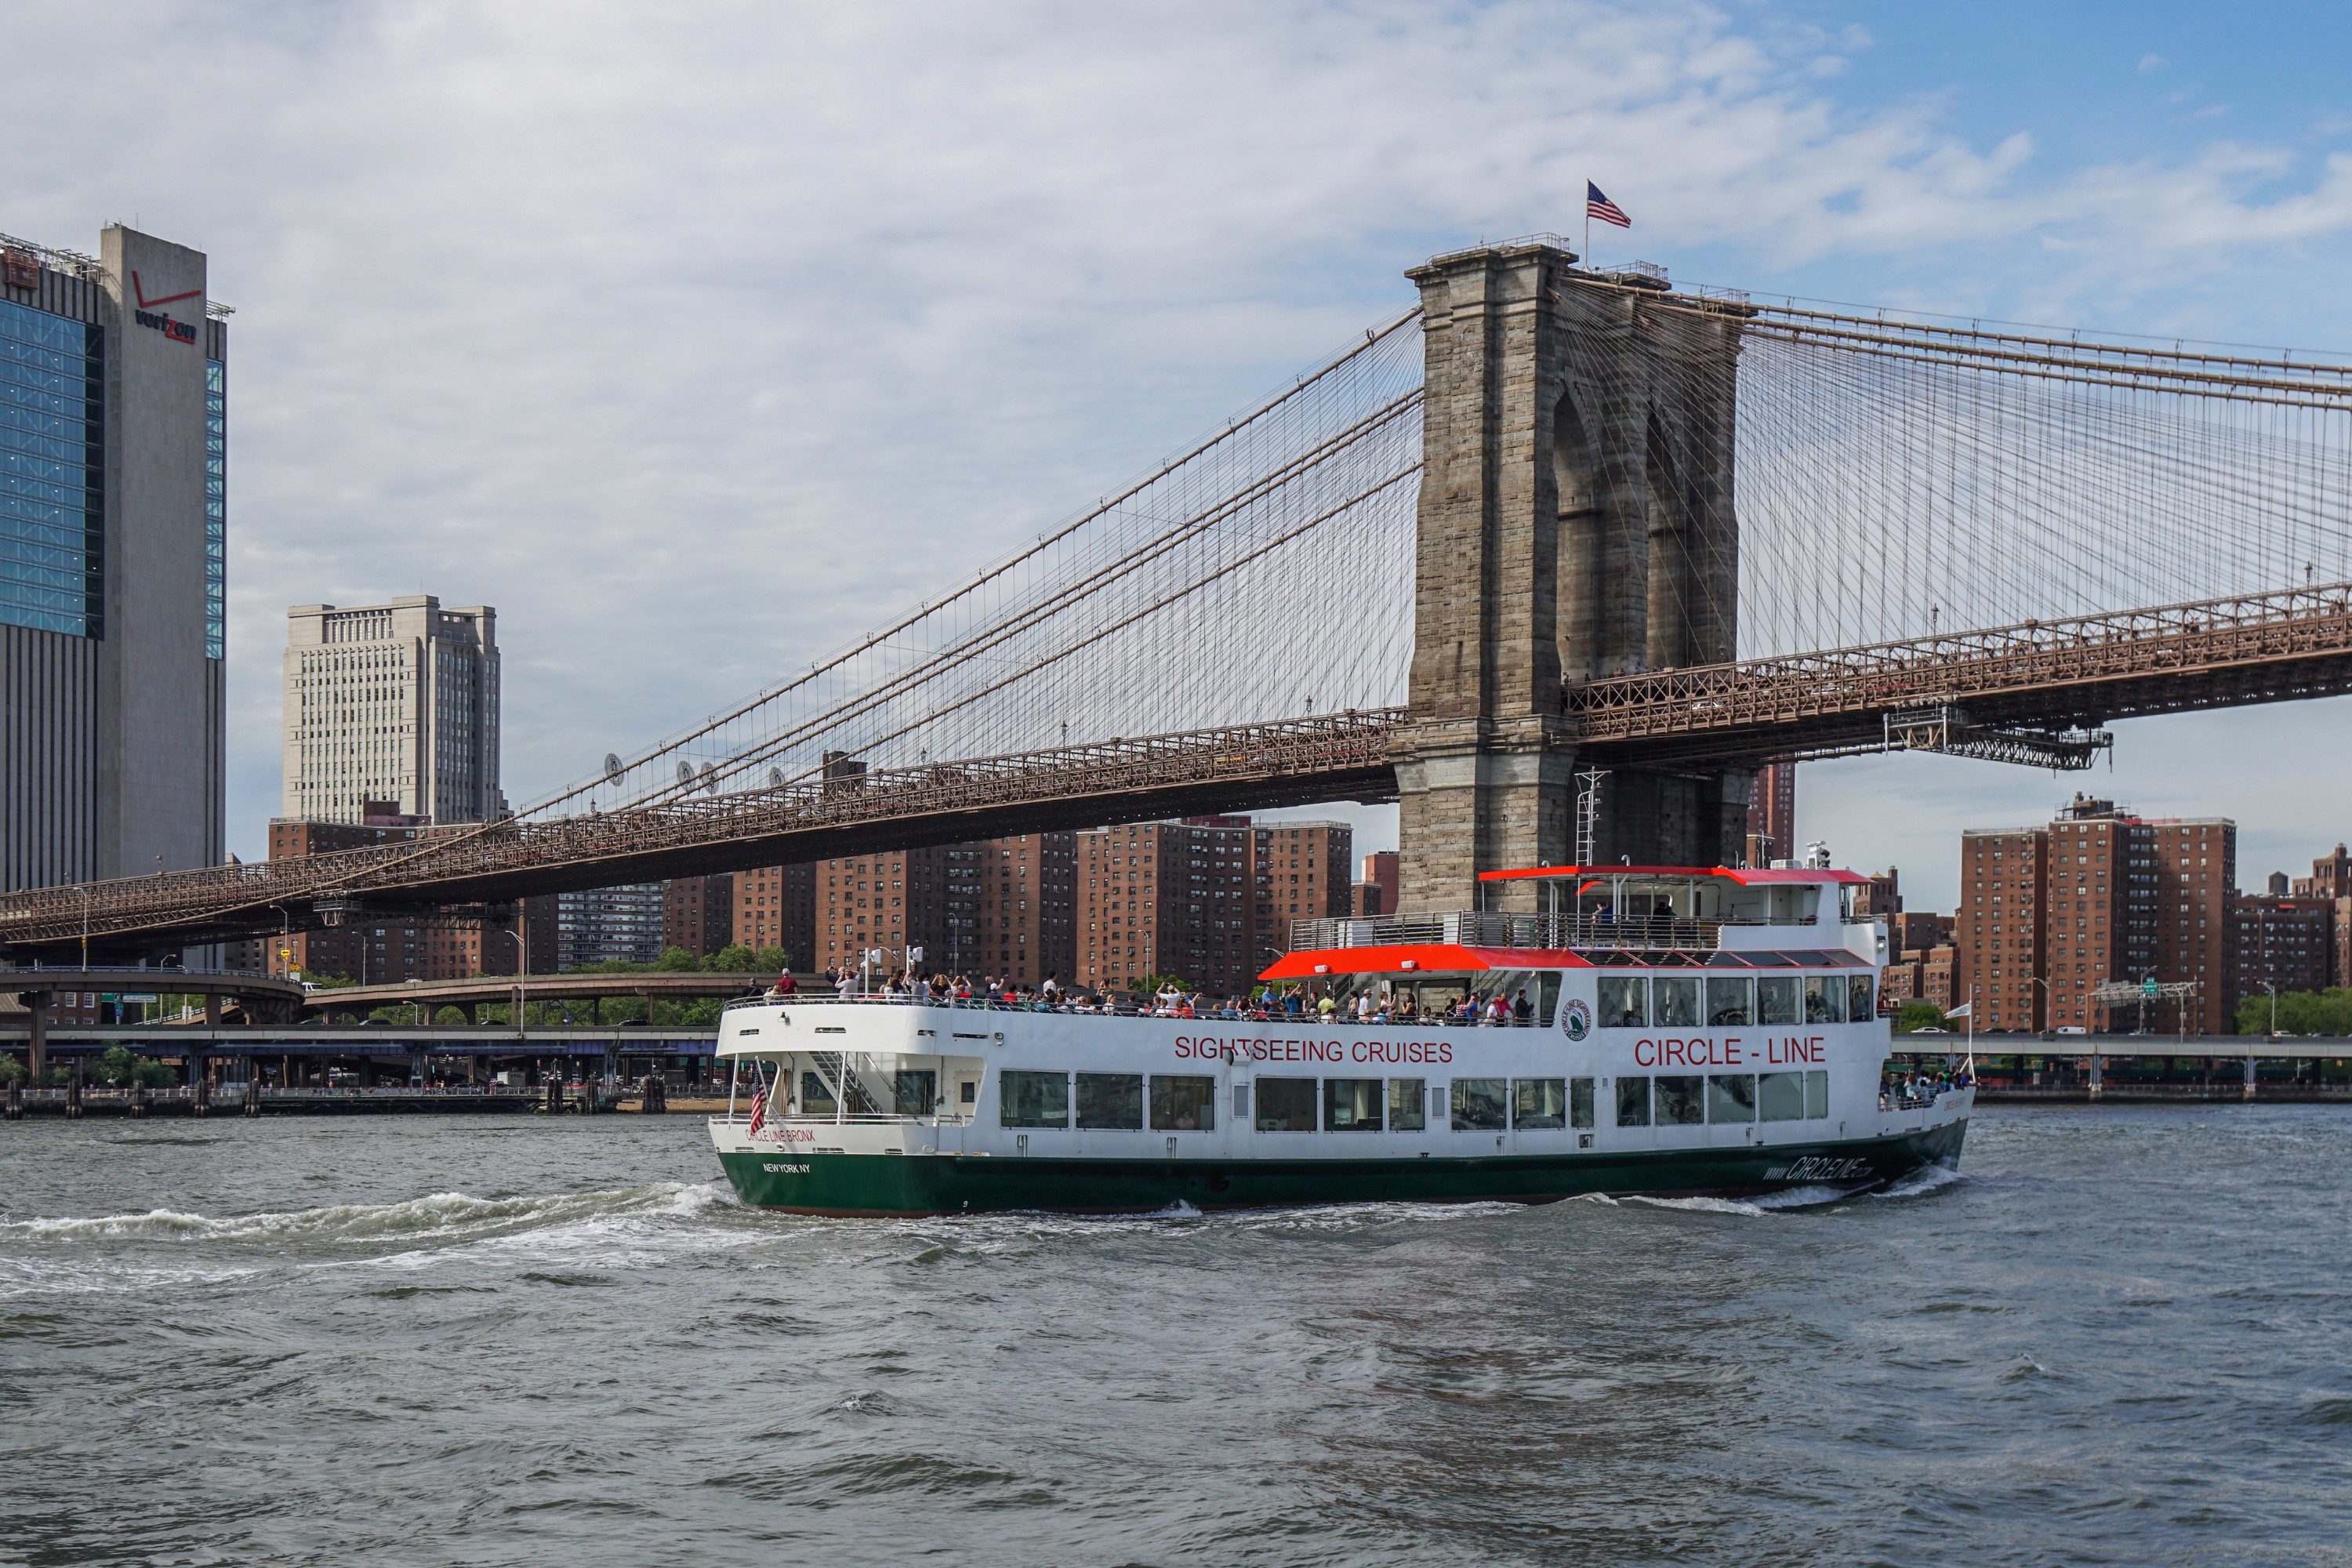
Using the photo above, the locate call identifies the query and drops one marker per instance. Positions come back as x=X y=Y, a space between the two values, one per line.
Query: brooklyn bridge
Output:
x=1555 y=559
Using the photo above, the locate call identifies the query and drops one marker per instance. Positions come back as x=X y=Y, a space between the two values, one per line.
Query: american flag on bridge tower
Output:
x=1601 y=206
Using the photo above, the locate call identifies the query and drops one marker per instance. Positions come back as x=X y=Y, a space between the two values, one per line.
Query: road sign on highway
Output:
x=2147 y=988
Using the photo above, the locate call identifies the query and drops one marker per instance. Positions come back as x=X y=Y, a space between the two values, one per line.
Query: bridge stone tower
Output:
x=1575 y=521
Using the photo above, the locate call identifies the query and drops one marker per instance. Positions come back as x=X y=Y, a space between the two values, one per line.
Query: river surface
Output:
x=2118 y=1337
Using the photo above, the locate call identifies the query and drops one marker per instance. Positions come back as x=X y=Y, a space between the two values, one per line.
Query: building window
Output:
x=215 y=510
x=52 y=511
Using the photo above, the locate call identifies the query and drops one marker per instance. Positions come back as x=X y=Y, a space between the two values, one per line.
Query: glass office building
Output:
x=113 y=560
x=52 y=472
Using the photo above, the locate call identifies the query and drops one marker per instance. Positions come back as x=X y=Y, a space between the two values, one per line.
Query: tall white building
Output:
x=391 y=708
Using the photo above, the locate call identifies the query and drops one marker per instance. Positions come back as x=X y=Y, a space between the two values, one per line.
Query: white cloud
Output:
x=697 y=341
x=2151 y=62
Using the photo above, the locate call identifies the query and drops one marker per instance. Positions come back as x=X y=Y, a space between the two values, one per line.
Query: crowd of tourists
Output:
x=1266 y=1003
x=1914 y=1090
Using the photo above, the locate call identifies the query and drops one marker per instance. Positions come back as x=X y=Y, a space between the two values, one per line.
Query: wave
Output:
x=437 y=1214
x=1927 y=1179
x=1699 y=1205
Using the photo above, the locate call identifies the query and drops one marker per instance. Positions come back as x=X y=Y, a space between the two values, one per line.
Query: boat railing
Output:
x=1493 y=928
x=1900 y=1100
x=742 y=1117
x=1221 y=1012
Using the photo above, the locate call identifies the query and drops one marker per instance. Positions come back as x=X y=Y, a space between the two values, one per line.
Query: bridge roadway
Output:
x=2037 y=676
x=1262 y=766
x=380 y=1041
x=2032 y=678
x=593 y=986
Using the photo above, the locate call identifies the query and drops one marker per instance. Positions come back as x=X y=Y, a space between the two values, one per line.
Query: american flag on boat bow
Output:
x=1601 y=206
x=759 y=1109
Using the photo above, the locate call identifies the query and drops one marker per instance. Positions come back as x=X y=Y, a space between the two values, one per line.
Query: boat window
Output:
x=1824 y=999
x=1351 y=1105
x=1034 y=1099
x=1817 y=1096
x=1679 y=1103
x=1776 y=999
x=1731 y=1097
x=1405 y=1105
x=1633 y=1103
x=1858 y=1007
x=916 y=1090
x=1183 y=1103
x=1111 y=1099
x=1546 y=998
x=1579 y=1102
x=816 y=1095
x=1285 y=1105
x=1241 y=1103
x=1478 y=1105
x=1780 y=1097
x=1730 y=999
x=1624 y=1001
x=1677 y=1000
x=1539 y=1103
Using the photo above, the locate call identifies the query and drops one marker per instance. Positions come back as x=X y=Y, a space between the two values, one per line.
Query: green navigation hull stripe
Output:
x=800 y=1182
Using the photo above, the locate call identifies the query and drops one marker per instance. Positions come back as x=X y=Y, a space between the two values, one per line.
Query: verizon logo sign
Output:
x=179 y=331
x=147 y=316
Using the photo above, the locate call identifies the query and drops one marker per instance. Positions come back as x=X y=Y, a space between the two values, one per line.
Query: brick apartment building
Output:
x=698 y=913
x=1773 y=814
x=2284 y=943
x=2047 y=913
x=2331 y=879
x=1208 y=900
x=1000 y=906
x=775 y=907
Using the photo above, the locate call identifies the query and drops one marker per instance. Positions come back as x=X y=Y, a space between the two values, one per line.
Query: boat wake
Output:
x=435 y=1216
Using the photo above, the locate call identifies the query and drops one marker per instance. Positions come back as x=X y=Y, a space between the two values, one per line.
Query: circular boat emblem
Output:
x=1576 y=1018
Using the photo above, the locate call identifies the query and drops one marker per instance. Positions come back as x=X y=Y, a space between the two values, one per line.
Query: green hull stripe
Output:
x=876 y=1185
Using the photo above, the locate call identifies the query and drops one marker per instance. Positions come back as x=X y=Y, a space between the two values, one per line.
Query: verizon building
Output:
x=114 y=529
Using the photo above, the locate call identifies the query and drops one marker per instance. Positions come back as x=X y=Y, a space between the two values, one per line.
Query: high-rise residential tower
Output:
x=2048 y=914
x=113 y=548
x=392 y=705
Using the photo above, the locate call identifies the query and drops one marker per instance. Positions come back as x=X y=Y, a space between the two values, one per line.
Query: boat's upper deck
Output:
x=1662 y=916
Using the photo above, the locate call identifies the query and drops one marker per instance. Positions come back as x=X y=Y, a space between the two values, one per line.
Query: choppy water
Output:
x=2120 y=1338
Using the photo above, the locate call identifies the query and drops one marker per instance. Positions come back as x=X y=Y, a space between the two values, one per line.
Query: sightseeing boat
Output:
x=1661 y=1031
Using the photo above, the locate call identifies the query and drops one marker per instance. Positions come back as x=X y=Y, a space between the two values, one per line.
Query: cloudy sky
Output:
x=698 y=338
